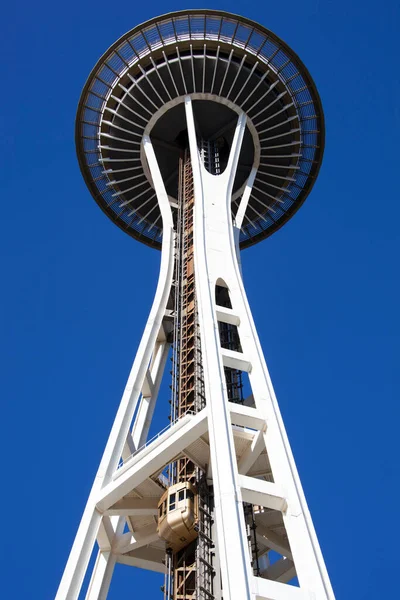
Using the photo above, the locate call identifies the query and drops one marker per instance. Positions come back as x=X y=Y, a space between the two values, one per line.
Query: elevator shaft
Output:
x=189 y=569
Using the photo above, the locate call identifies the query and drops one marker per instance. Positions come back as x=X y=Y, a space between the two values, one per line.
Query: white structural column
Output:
x=154 y=375
x=307 y=555
x=101 y=577
x=231 y=533
x=216 y=257
x=120 y=435
x=104 y=567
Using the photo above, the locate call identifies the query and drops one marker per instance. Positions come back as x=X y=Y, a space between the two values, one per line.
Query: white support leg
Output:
x=101 y=577
x=310 y=566
x=231 y=533
x=216 y=258
x=78 y=560
x=104 y=567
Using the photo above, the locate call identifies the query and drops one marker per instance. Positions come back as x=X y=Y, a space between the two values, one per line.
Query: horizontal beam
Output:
x=262 y=493
x=141 y=563
x=226 y=315
x=235 y=360
x=134 y=507
x=247 y=417
x=264 y=589
x=260 y=473
x=153 y=458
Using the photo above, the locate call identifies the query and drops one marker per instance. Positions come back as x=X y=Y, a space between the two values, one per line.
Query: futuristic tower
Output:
x=200 y=133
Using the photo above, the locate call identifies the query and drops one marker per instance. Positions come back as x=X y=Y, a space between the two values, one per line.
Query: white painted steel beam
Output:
x=104 y=567
x=216 y=257
x=148 y=400
x=211 y=226
x=101 y=576
x=153 y=458
x=106 y=532
x=148 y=385
x=134 y=507
x=251 y=454
x=262 y=493
x=264 y=589
x=247 y=417
x=235 y=360
x=78 y=560
x=273 y=540
x=141 y=563
x=245 y=200
x=127 y=542
x=226 y=315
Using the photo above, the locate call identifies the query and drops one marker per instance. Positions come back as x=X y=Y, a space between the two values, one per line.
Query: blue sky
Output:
x=324 y=292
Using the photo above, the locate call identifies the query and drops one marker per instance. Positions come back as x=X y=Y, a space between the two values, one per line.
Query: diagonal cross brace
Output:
x=153 y=458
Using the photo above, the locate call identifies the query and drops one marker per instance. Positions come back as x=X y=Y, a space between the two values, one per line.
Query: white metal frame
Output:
x=216 y=260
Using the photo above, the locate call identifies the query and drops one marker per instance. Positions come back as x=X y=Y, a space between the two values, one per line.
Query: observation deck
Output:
x=227 y=64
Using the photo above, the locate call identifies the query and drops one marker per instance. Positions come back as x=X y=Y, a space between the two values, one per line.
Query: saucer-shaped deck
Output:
x=227 y=64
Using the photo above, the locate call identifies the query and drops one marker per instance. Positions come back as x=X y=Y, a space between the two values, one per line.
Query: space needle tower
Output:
x=199 y=133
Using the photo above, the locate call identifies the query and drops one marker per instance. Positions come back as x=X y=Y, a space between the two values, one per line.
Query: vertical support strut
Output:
x=190 y=572
x=231 y=532
x=71 y=581
x=216 y=258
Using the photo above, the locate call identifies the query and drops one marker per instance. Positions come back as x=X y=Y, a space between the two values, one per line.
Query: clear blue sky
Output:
x=324 y=291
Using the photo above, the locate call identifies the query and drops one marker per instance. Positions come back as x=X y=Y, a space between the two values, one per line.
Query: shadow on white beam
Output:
x=106 y=533
x=148 y=385
x=251 y=454
x=235 y=360
x=276 y=542
x=262 y=493
x=132 y=541
x=247 y=417
x=141 y=563
x=226 y=315
x=134 y=507
x=283 y=570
